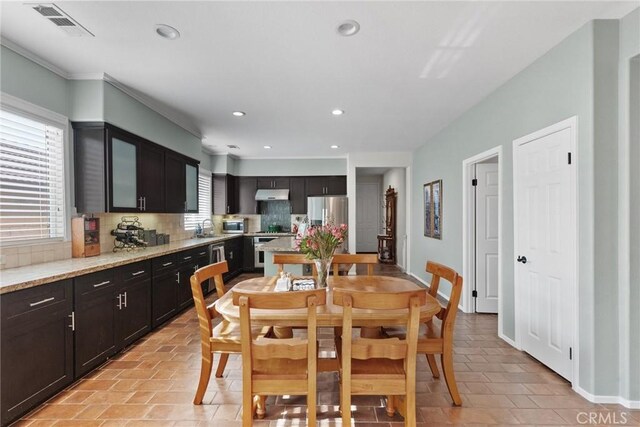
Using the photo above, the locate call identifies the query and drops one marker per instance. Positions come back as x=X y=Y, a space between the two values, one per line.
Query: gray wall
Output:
x=629 y=154
x=31 y=82
x=555 y=87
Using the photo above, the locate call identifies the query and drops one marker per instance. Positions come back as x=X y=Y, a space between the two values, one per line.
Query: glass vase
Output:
x=323 y=267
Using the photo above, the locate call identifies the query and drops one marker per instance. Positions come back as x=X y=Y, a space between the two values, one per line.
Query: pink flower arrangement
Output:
x=321 y=241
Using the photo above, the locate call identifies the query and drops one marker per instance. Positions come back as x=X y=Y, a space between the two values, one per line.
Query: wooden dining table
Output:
x=329 y=314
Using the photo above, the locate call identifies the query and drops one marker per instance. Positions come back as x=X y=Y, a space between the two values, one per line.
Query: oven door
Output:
x=258 y=255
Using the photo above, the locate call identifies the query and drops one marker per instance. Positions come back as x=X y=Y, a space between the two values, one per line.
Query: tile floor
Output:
x=153 y=383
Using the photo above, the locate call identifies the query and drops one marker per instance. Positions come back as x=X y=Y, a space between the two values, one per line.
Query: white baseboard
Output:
x=618 y=400
x=508 y=340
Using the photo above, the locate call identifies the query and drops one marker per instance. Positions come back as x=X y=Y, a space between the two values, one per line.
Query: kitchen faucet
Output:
x=203 y=223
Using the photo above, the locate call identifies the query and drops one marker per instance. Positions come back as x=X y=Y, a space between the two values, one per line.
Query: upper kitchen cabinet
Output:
x=247 y=187
x=225 y=194
x=297 y=195
x=181 y=184
x=326 y=185
x=273 y=183
x=117 y=171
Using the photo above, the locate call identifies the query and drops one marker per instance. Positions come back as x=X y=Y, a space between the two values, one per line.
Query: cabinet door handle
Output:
x=125 y=299
x=178 y=277
x=166 y=264
x=202 y=253
x=185 y=205
x=186 y=258
x=144 y=199
x=106 y=282
x=119 y=301
x=140 y=201
x=33 y=304
x=195 y=268
x=73 y=320
x=137 y=273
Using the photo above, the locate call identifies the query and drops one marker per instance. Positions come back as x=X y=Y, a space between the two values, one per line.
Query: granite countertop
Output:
x=14 y=279
x=256 y=234
x=281 y=244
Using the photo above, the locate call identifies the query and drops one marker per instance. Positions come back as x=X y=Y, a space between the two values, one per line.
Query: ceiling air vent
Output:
x=60 y=19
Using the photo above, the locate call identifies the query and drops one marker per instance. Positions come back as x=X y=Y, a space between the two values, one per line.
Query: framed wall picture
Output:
x=428 y=228
x=433 y=209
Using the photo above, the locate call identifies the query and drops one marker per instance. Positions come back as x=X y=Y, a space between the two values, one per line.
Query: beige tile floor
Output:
x=153 y=383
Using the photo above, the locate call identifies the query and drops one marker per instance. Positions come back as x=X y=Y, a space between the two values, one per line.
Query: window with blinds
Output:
x=204 y=202
x=31 y=179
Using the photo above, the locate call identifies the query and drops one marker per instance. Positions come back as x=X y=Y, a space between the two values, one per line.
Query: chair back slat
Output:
x=340 y=259
x=448 y=314
x=293 y=259
x=275 y=348
x=378 y=300
x=371 y=348
x=206 y=314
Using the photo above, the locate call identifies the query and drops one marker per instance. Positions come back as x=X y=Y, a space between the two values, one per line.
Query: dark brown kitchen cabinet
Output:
x=95 y=319
x=248 y=256
x=297 y=195
x=134 y=303
x=233 y=249
x=164 y=290
x=36 y=347
x=274 y=183
x=326 y=185
x=117 y=171
x=181 y=184
x=225 y=194
x=247 y=187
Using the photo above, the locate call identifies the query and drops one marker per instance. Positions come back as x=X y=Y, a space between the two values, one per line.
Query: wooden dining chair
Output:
x=385 y=366
x=272 y=366
x=293 y=259
x=223 y=338
x=370 y=260
x=438 y=336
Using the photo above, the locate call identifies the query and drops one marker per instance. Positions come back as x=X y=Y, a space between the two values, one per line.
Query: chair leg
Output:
x=345 y=403
x=431 y=359
x=449 y=377
x=311 y=409
x=222 y=364
x=391 y=406
x=410 y=409
x=248 y=406
x=205 y=375
x=261 y=407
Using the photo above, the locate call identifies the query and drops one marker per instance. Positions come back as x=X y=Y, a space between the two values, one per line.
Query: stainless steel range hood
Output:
x=266 y=195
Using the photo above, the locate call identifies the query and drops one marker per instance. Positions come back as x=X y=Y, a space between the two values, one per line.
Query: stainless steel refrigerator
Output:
x=333 y=209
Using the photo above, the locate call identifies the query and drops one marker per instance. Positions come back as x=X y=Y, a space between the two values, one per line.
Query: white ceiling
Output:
x=413 y=68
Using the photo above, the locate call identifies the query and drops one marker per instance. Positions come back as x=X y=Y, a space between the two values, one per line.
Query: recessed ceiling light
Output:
x=335 y=146
x=337 y=112
x=348 y=28
x=238 y=113
x=268 y=147
x=167 y=32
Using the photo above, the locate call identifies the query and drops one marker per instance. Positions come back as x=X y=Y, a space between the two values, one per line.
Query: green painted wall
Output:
x=31 y=82
x=555 y=87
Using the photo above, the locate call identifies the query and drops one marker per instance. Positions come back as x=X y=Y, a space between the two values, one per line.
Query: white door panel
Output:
x=545 y=237
x=486 y=261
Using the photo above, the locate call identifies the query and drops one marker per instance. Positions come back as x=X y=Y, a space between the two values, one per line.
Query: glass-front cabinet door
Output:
x=192 y=188
x=124 y=173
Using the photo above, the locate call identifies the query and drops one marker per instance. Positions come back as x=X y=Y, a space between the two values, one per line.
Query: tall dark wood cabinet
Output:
x=297 y=195
x=36 y=347
x=225 y=194
x=151 y=177
x=175 y=184
x=247 y=187
x=134 y=303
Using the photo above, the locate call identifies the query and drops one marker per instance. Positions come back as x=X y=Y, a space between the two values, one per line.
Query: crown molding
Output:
x=148 y=102
x=9 y=44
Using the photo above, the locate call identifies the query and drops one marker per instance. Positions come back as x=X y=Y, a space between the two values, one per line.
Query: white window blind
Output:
x=31 y=179
x=204 y=202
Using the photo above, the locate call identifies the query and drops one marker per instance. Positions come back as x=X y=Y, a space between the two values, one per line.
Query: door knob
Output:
x=522 y=259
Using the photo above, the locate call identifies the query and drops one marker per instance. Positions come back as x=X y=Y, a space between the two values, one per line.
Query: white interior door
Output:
x=367 y=216
x=486 y=226
x=544 y=245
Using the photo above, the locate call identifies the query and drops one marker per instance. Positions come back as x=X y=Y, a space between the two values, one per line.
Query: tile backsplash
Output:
x=172 y=224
